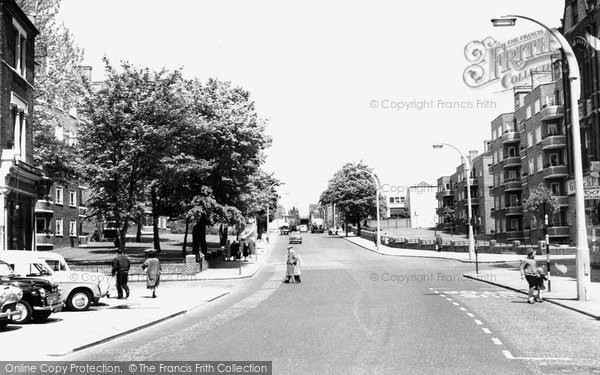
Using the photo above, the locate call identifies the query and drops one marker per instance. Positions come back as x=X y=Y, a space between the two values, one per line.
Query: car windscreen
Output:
x=5 y=269
x=39 y=269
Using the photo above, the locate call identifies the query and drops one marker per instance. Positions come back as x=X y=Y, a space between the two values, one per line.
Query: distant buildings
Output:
x=422 y=205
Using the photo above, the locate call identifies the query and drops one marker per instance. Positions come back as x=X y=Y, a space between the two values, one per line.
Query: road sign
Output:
x=592 y=192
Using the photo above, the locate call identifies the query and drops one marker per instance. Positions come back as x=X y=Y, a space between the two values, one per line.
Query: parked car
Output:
x=303 y=228
x=79 y=289
x=9 y=296
x=284 y=229
x=295 y=237
x=59 y=266
x=40 y=297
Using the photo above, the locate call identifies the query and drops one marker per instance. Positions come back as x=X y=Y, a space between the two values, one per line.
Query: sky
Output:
x=338 y=81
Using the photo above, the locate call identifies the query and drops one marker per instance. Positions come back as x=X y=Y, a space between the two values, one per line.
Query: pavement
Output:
x=504 y=272
x=112 y=318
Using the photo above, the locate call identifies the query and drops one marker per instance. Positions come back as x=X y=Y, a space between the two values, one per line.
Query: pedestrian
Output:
x=228 y=250
x=245 y=249
x=153 y=269
x=235 y=249
x=529 y=271
x=438 y=242
x=120 y=268
x=251 y=247
x=385 y=239
x=293 y=265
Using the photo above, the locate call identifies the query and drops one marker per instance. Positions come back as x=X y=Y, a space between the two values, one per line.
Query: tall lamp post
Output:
x=469 y=208
x=583 y=254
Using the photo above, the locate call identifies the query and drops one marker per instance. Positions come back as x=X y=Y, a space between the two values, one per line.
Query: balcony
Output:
x=552 y=112
x=512 y=184
x=563 y=201
x=559 y=231
x=555 y=171
x=512 y=161
x=513 y=210
x=510 y=137
x=554 y=141
x=444 y=193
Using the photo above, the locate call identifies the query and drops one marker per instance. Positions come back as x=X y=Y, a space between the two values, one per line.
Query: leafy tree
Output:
x=541 y=201
x=58 y=86
x=352 y=189
x=129 y=126
x=448 y=215
x=234 y=148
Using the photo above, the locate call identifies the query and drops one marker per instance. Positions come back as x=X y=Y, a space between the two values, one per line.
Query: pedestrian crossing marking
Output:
x=480 y=294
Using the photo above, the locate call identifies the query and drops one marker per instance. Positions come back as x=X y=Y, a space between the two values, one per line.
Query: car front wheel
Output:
x=26 y=313
x=79 y=300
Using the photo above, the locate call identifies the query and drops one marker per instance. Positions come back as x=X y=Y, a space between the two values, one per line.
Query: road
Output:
x=360 y=312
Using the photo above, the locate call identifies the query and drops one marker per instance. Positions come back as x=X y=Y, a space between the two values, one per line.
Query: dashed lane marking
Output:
x=462 y=308
x=507 y=354
x=455 y=304
x=496 y=341
x=486 y=330
x=478 y=322
x=470 y=315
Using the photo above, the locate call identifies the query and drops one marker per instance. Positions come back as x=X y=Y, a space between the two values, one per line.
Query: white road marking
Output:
x=435 y=291
x=455 y=304
x=486 y=330
x=478 y=322
x=442 y=295
x=507 y=354
x=463 y=309
x=449 y=299
x=471 y=315
x=496 y=341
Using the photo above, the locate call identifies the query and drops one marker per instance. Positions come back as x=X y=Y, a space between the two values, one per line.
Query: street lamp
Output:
x=469 y=208
x=583 y=254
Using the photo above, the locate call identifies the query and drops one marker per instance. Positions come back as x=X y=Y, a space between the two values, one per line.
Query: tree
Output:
x=352 y=189
x=541 y=201
x=130 y=125
x=58 y=86
x=448 y=215
x=234 y=148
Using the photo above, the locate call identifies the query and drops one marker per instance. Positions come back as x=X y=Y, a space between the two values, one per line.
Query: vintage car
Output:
x=40 y=297
x=78 y=299
x=78 y=289
x=9 y=296
x=295 y=237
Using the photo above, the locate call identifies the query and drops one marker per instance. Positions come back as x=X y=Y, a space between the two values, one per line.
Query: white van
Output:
x=78 y=289
x=59 y=265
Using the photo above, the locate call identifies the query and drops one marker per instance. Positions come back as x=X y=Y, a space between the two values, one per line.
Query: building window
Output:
x=538 y=134
x=20 y=49
x=514 y=224
x=555 y=187
x=529 y=139
x=531 y=170
x=528 y=112
x=42 y=225
x=58 y=227
x=58 y=195
x=540 y=166
x=537 y=106
x=553 y=159
x=72 y=228
x=72 y=198
x=552 y=130
x=512 y=151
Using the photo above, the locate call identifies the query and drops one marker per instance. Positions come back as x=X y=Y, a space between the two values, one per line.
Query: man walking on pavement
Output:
x=121 y=270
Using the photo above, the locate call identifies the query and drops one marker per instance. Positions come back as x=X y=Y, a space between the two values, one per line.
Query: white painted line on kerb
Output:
x=496 y=341
x=507 y=354
x=455 y=304
x=486 y=330
x=478 y=322
x=471 y=315
x=462 y=308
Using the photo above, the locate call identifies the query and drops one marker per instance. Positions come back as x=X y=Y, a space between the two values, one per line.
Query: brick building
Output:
x=20 y=182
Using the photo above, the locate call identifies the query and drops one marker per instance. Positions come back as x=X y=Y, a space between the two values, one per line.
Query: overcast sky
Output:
x=316 y=69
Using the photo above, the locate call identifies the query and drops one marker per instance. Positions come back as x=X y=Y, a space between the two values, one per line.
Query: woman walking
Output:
x=152 y=268
x=530 y=272
x=293 y=266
